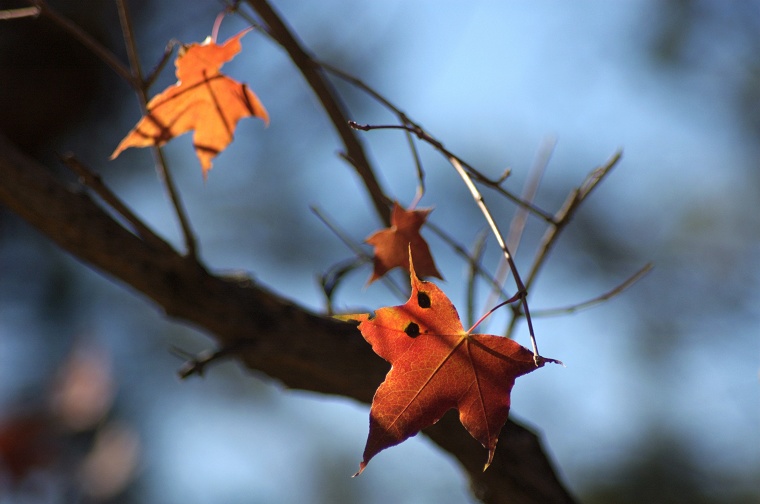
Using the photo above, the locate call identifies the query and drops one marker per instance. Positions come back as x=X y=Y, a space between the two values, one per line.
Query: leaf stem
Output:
x=489 y=312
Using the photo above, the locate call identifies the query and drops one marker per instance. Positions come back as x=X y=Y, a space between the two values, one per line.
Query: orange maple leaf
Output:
x=437 y=366
x=392 y=244
x=203 y=99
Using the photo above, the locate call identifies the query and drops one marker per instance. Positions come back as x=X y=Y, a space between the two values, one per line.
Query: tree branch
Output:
x=299 y=348
x=330 y=101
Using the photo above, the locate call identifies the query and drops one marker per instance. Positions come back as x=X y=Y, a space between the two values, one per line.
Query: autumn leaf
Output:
x=392 y=244
x=27 y=443
x=203 y=100
x=437 y=366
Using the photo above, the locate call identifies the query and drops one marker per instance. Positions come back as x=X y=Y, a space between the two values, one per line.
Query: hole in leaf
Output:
x=423 y=300
x=412 y=330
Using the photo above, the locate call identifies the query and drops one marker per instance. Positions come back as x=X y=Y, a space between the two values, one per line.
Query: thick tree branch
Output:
x=298 y=348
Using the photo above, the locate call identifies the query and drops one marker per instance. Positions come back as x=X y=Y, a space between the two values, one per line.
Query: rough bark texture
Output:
x=300 y=349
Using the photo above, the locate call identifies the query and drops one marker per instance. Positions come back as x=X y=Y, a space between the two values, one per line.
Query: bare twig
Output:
x=153 y=75
x=88 y=41
x=517 y=226
x=197 y=364
x=330 y=279
x=535 y=174
x=471 y=171
x=420 y=171
x=330 y=101
x=411 y=127
x=162 y=168
x=461 y=251
x=521 y=292
x=567 y=212
x=94 y=182
x=566 y=310
x=357 y=250
x=19 y=13
x=562 y=219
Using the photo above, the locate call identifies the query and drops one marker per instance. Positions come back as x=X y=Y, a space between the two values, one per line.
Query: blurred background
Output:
x=660 y=400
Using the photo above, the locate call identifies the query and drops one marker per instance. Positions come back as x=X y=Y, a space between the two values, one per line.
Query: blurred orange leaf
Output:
x=203 y=100
x=27 y=442
x=392 y=244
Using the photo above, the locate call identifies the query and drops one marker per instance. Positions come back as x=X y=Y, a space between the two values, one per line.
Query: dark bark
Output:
x=300 y=349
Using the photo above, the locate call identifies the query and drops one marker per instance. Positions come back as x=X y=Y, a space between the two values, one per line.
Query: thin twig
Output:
x=153 y=75
x=535 y=174
x=330 y=279
x=567 y=212
x=357 y=250
x=517 y=226
x=162 y=168
x=472 y=172
x=521 y=292
x=89 y=42
x=472 y=271
x=92 y=180
x=412 y=127
x=565 y=310
x=19 y=13
x=460 y=250
x=197 y=364
x=420 y=171
x=562 y=219
x=330 y=100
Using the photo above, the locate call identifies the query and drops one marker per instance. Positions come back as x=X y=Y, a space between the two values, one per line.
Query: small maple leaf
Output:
x=203 y=99
x=392 y=244
x=437 y=366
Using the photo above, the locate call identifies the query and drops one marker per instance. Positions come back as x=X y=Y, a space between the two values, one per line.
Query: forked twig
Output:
x=357 y=250
x=330 y=100
x=521 y=295
x=162 y=167
x=471 y=171
x=92 y=180
x=411 y=127
x=562 y=219
x=88 y=41
x=519 y=220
